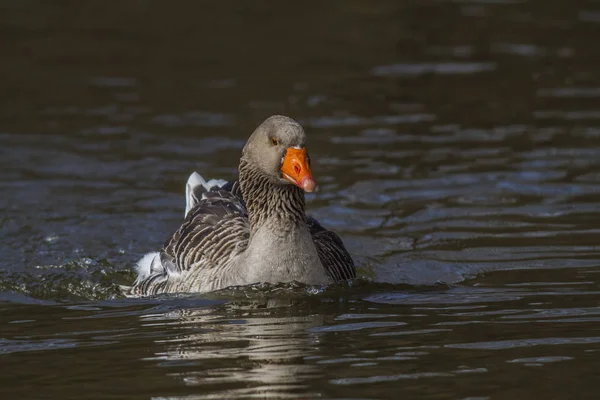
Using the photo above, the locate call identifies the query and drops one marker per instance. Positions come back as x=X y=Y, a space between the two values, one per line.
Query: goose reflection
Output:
x=254 y=348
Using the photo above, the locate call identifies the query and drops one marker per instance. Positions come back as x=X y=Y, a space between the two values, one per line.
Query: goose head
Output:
x=277 y=148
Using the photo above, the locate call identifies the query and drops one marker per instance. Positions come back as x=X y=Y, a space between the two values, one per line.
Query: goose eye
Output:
x=274 y=141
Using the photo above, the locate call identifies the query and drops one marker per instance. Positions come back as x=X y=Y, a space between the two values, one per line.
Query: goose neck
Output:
x=269 y=202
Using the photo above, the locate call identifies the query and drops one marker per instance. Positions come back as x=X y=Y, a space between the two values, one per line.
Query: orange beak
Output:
x=296 y=170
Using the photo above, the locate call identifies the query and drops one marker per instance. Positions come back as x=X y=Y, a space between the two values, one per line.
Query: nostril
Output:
x=297 y=168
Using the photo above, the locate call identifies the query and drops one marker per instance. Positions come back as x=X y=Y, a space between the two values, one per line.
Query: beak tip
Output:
x=308 y=184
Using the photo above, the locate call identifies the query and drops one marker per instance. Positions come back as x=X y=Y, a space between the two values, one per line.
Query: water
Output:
x=457 y=148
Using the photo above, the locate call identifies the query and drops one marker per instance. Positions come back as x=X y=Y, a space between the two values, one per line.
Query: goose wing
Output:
x=332 y=253
x=215 y=229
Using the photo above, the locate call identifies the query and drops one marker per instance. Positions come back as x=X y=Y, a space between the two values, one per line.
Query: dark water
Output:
x=457 y=147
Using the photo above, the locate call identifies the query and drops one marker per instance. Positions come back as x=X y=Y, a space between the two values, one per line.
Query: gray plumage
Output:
x=252 y=230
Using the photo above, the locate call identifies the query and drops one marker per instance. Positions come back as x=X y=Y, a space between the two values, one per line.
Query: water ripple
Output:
x=447 y=68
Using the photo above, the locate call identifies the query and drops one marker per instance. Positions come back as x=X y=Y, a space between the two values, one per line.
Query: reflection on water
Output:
x=457 y=148
x=364 y=341
x=267 y=352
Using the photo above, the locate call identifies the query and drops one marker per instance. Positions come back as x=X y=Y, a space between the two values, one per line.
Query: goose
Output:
x=251 y=230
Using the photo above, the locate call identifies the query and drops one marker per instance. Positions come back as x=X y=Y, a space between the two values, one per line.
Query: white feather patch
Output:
x=195 y=180
x=144 y=267
x=215 y=182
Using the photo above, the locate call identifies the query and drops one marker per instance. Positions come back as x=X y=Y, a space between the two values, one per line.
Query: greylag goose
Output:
x=251 y=230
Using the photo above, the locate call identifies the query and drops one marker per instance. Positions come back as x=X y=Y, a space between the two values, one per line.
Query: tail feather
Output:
x=148 y=265
x=148 y=268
